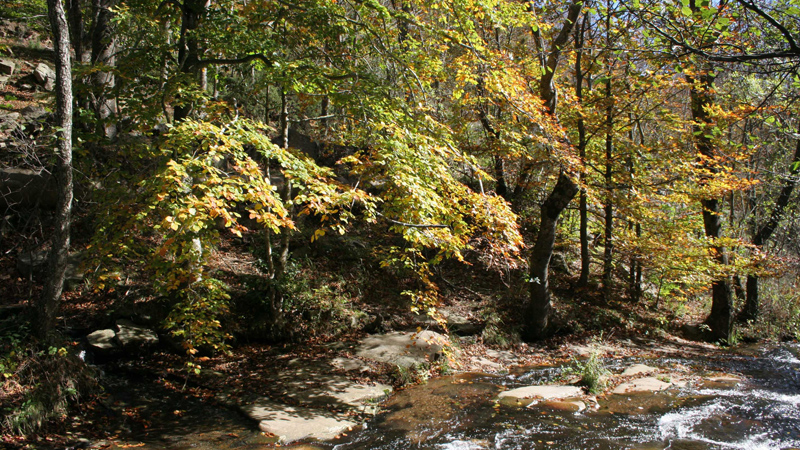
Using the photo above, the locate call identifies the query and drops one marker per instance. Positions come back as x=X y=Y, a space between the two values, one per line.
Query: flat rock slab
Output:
x=293 y=423
x=310 y=383
x=403 y=349
x=642 y=385
x=542 y=392
x=639 y=369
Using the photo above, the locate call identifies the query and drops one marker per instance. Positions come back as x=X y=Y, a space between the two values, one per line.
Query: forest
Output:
x=234 y=178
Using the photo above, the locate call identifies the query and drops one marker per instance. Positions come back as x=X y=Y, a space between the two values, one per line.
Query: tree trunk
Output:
x=752 y=304
x=47 y=307
x=608 y=208
x=720 y=320
x=582 y=143
x=103 y=81
x=536 y=319
x=189 y=50
x=537 y=315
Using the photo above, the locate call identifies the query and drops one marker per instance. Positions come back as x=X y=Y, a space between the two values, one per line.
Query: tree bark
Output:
x=47 y=307
x=189 y=49
x=720 y=320
x=536 y=318
x=103 y=81
x=537 y=315
x=583 y=280
x=608 y=208
x=752 y=303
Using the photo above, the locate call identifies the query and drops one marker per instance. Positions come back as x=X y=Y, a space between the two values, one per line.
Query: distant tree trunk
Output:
x=582 y=143
x=720 y=320
x=536 y=318
x=189 y=49
x=47 y=307
x=103 y=81
x=608 y=208
x=752 y=304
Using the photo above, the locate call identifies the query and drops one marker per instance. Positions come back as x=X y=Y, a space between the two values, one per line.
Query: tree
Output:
x=537 y=314
x=47 y=307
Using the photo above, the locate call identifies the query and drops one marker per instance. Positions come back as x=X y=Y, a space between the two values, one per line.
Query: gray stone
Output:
x=43 y=73
x=348 y=364
x=309 y=383
x=639 y=369
x=33 y=112
x=293 y=423
x=404 y=349
x=3 y=80
x=131 y=335
x=551 y=392
x=648 y=384
x=7 y=67
x=103 y=341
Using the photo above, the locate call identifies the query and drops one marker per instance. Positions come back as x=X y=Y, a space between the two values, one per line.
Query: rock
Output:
x=103 y=341
x=8 y=120
x=648 y=384
x=639 y=369
x=551 y=392
x=4 y=80
x=563 y=405
x=131 y=335
x=33 y=112
x=7 y=67
x=26 y=188
x=404 y=349
x=44 y=74
x=559 y=264
x=348 y=364
x=293 y=423
x=462 y=325
x=721 y=382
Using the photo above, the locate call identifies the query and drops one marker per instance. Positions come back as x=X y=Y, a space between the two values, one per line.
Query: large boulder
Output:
x=103 y=341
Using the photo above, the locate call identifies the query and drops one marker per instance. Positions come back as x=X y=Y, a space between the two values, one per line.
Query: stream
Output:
x=761 y=412
x=461 y=412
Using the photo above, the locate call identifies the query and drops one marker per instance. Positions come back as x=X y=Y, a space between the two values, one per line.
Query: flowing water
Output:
x=462 y=413
x=761 y=412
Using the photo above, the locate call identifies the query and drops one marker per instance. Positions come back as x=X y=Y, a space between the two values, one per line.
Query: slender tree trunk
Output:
x=47 y=308
x=103 y=81
x=608 y=208
x=720 y=320
x=582 y=143
x=189 y=49
x=752 y=304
